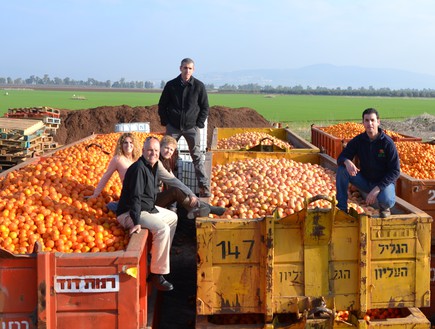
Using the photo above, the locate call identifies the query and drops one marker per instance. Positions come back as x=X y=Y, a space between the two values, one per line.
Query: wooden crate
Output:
x=33 y=112
x=22 y=138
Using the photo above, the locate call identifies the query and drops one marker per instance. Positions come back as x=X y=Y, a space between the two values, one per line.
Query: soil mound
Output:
x=422 y=126
x=79 y=124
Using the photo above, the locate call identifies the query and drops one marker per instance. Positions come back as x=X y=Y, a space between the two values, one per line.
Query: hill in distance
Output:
x=324 y=75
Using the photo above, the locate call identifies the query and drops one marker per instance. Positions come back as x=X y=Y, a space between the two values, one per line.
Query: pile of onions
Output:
x=254 y=188
x=247 y=140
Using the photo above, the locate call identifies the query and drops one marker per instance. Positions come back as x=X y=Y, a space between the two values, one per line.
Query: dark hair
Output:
x=370 y=110
x=187 y=61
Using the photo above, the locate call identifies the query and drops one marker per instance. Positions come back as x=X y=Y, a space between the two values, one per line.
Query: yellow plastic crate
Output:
x=412 y=318
x=276 y=266
x=355 y=262
x=299 y=144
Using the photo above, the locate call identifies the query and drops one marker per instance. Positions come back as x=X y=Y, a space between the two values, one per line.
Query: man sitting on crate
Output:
x=379 y=166
x=137 y=207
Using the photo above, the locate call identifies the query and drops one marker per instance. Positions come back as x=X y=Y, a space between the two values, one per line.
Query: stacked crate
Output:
x=26 y=133
x=20 y=139
x=50 y=116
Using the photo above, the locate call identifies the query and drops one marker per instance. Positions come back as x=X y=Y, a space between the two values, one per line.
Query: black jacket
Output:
x=379 y=160
x=183 y=106
x=139 y=190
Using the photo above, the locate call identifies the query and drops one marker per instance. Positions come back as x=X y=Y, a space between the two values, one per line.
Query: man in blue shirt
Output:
x=379 y=166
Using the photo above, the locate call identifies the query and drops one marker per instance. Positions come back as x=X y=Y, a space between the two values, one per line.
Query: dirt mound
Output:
x=422 y=126
x=76 y=125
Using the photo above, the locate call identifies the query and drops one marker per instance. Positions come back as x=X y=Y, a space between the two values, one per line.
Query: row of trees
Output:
x=90 y=82
x=247 y=88
x=349 y=91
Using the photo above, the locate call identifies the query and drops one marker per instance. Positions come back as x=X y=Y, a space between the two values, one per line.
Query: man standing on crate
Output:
x=379 y=166
x=183 y=110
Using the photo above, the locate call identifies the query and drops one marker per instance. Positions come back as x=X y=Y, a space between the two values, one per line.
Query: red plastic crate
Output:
x=76 y=290
x=18 y=293
x=333 y=146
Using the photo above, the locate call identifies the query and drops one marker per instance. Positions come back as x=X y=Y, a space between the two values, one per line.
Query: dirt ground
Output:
x=422 y=126
x=76 y=125
x=79 y=124
x=177 y=309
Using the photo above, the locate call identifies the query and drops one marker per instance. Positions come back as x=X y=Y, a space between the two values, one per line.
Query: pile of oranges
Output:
x=348 y=130
x=45 y=201
x=383 y=313
x=374 y=314
x=417 y=159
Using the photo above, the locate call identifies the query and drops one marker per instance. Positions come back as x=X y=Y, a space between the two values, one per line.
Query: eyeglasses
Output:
x=151 y=137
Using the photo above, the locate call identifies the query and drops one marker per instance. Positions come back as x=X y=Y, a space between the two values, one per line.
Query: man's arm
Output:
x=203 y=107
x=348 y=153
x=163 y=104
x=136 y=186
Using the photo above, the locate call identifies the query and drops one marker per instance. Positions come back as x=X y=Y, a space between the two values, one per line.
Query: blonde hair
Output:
x=136 y=147
x=168 y=140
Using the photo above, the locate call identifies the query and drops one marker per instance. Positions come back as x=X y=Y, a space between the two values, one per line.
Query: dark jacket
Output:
x=139 y=190
x=183 y=106
x=378 y=159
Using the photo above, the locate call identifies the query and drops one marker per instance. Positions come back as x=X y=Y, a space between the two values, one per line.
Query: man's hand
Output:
x=351 y=168
x=194 y=201
x=135 y=229
x=90 y=197
x=371 y=197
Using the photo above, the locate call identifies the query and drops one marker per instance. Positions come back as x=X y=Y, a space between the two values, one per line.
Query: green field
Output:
x=283 y=108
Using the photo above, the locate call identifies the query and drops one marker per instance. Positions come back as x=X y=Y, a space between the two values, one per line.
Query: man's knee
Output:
x=387 y=197
x=342 y=176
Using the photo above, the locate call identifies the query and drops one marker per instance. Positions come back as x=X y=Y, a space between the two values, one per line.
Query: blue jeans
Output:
x=113 y=205
x=386 y=198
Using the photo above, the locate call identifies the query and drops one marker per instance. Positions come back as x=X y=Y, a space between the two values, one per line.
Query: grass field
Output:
x=282 y=108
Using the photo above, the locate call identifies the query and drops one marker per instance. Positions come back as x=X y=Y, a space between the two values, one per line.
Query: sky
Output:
x=145 y=40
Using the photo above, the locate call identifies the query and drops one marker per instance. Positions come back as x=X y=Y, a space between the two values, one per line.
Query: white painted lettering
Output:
x=86 y=284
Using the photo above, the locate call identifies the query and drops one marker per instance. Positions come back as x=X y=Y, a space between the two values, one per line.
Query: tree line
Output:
x=90 y=82
x=226 y=88
x=349 y=91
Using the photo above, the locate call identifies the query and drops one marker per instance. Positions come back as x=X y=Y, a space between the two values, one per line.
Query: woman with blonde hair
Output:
x=127 y=151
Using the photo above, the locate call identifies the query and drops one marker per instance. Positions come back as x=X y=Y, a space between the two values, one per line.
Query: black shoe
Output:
x=160 y=282
x=206 y=209
x=384 y=212
x=217 y=210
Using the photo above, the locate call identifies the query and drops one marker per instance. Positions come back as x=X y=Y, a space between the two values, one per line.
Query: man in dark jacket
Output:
x=137 y=210
x=183 y=110
x=379 y=166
